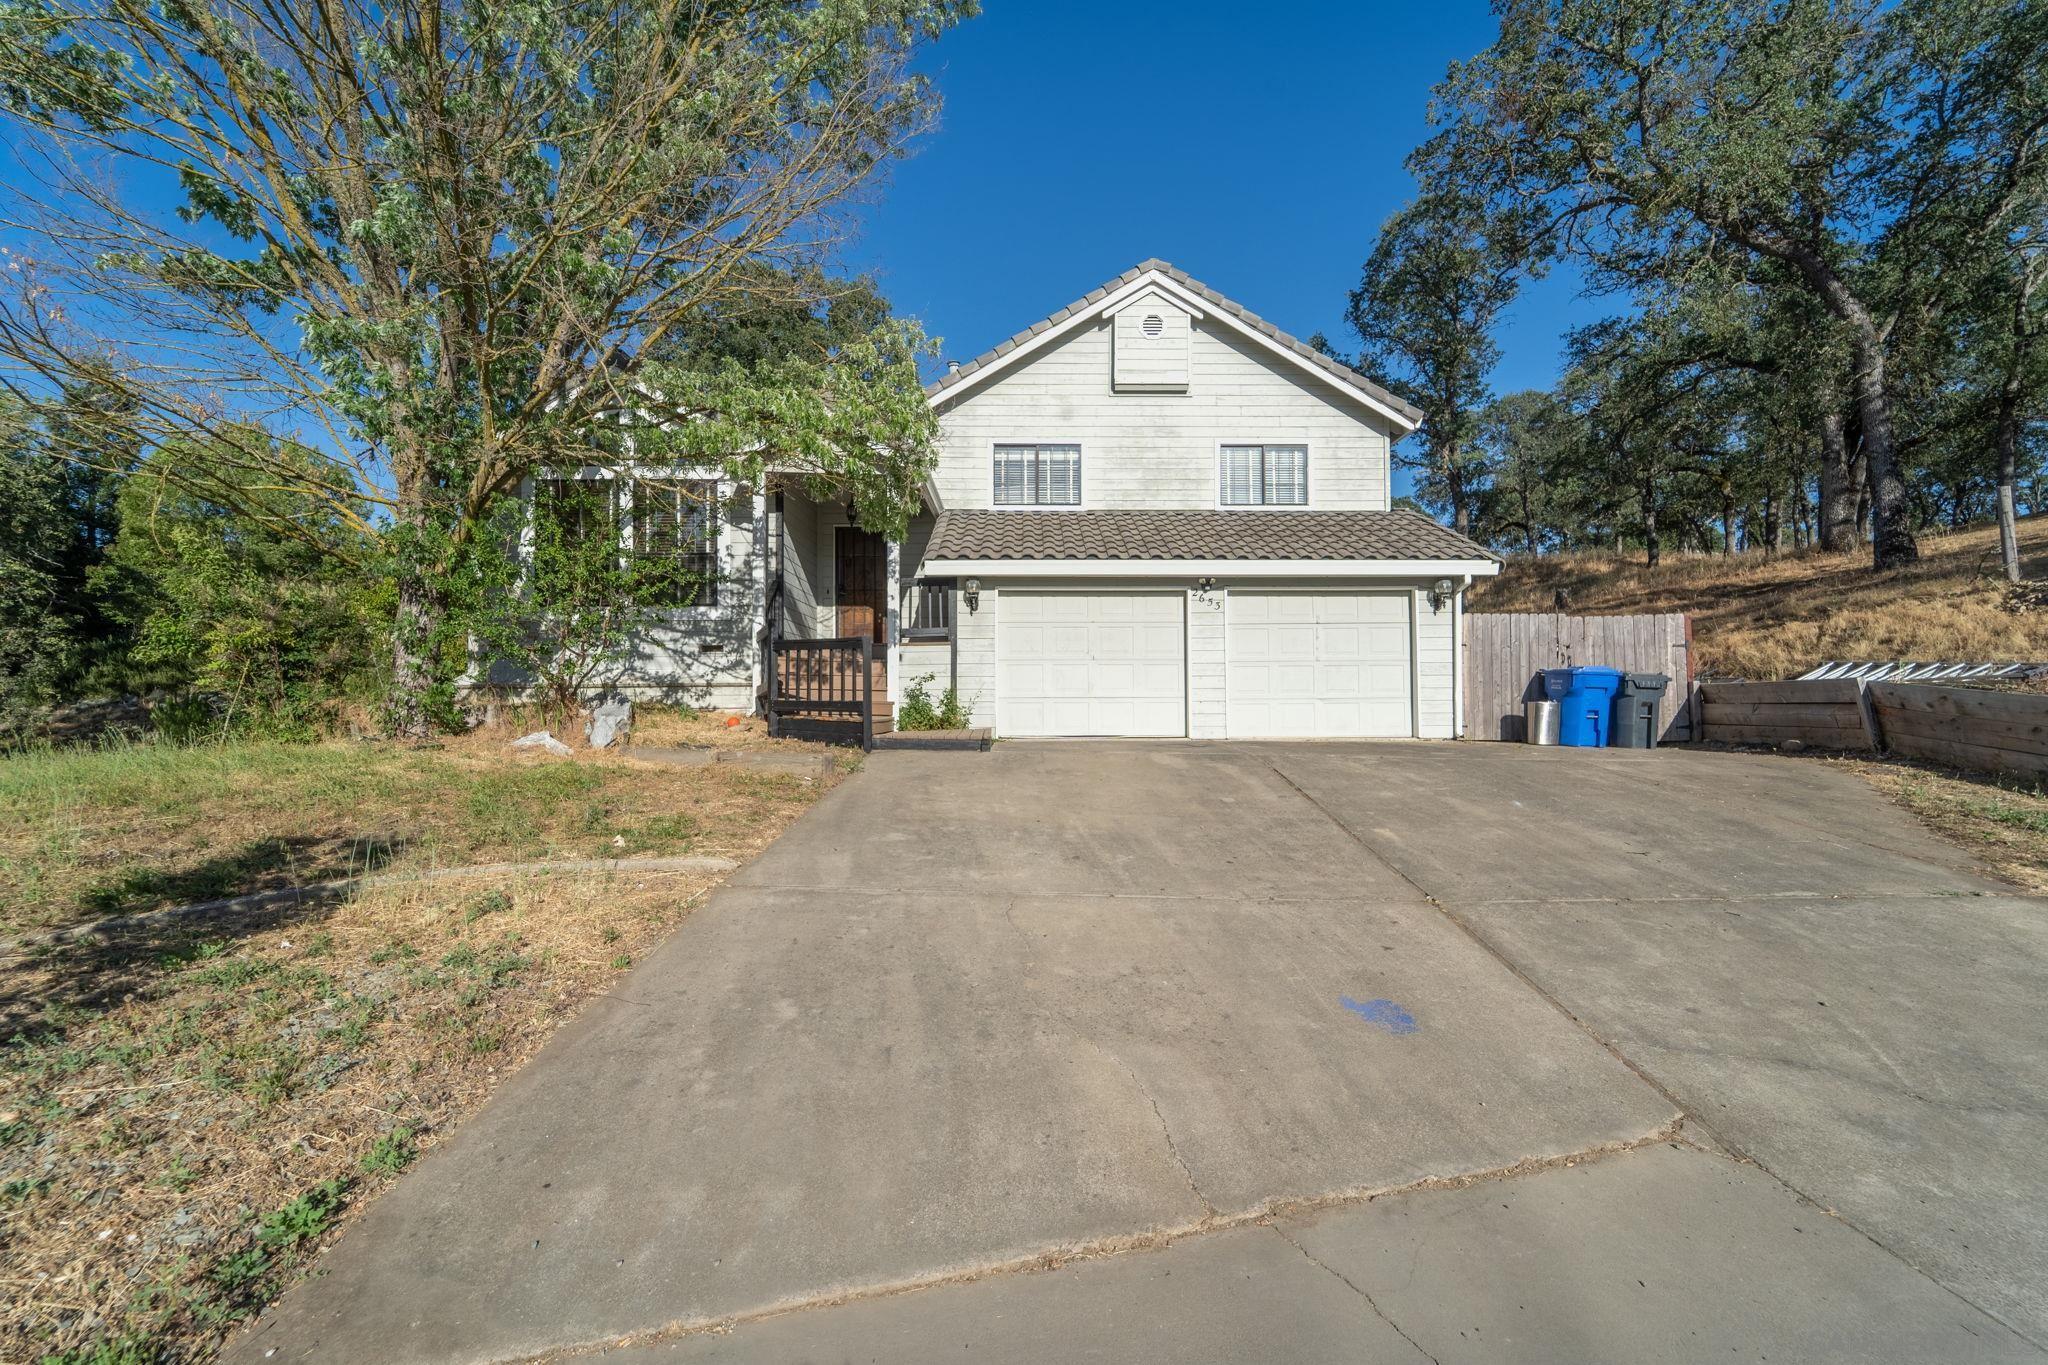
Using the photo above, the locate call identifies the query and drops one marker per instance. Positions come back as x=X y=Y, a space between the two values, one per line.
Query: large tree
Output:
x=1862 y=146
x=445 y=244
x=1435 y=285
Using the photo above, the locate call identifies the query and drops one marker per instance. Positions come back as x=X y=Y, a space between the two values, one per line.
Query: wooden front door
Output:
x=863 y=575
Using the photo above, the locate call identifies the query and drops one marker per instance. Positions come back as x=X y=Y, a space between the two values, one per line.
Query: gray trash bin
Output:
x=1635 y=711
x=1539 y=721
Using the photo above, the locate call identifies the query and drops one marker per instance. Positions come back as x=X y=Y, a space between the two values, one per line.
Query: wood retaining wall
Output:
x=1959 y=727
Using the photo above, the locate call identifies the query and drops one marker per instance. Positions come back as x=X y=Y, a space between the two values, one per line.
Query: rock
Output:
x=609 y=722
x=541 y=739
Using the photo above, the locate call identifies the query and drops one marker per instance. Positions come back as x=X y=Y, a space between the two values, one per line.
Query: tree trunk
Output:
x=1891 y=529
x=1528 y=519
x=1651 y=548
x=2008 y=476
x=1837 y=524
x=1727 y=523
x=1454 y=481
x=412 y=672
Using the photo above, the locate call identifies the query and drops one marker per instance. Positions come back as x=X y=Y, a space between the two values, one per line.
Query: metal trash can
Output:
x=1539 y=721
x=1635 y=710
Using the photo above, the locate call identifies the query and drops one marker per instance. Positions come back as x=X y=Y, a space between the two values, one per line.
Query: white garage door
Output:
x=1308 y=665
x=1070 y=663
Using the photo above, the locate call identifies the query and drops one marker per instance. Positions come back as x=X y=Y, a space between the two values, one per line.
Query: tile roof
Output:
x=1214 y=299
x=1195 y=534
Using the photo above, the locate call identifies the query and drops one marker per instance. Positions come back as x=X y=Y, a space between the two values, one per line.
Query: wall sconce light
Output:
x=971 y=590
x=1440 y=593
x=1205 y=584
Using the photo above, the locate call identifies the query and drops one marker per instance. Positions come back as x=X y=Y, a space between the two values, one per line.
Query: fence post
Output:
x=867 y=694
x=774 y=694
x=1871 y=730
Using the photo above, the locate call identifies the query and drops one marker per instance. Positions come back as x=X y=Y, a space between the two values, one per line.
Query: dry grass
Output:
x=86 y=834
x=2000 y=821
x=1758 y=616
x=186 y=1116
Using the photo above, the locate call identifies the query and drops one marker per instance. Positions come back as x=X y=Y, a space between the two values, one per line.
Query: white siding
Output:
x=1159 y=450
x=1156 y=363
x=975 y=632
x=1435 y=670
x=801 y=588
x=1208 y=695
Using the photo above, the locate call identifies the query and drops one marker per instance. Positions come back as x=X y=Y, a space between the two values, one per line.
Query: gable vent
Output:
x=1151 y=347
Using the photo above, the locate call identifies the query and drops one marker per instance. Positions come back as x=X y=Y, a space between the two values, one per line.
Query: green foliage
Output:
x=305 y=1218
x=542 y=227
x=391 y=1153
x=917 y=710
x=272 y=607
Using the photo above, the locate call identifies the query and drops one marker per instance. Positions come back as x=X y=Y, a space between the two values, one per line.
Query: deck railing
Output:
x=823 y=680
x=927 y=611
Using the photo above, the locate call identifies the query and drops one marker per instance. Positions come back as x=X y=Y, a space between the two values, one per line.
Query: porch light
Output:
x=1440 y=593
x=971 y=590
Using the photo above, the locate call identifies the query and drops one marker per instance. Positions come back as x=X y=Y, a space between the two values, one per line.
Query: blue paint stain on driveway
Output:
x=1382 y=1014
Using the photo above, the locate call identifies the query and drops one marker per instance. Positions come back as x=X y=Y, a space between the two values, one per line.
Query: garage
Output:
x=1092 y=663
x=1319 y=665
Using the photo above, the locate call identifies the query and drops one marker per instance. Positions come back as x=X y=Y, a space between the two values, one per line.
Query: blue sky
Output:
x=1256 y=150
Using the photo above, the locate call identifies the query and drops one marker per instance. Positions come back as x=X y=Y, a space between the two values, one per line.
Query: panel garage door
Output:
x=1310 y=665
x=1070 y=663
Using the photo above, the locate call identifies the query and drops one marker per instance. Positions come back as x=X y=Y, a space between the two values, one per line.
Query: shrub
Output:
x=917 y=710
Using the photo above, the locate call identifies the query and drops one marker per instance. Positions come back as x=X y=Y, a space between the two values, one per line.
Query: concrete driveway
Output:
x=1218 y=1052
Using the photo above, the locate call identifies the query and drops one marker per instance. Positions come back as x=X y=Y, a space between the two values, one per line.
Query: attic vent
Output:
x=1154 y=325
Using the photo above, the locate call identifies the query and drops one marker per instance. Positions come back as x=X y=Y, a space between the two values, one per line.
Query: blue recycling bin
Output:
x=1556 y=682
x=1584 y=713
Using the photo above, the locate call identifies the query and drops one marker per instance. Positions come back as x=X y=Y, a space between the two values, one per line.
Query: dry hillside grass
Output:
x=189 y=1110
x=1762 y=617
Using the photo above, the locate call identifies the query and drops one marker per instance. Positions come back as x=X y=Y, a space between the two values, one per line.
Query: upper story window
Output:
x=1038 y=476
x=1262 y=476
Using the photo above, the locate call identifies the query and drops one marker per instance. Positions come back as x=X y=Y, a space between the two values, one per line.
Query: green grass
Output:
x=133 y=827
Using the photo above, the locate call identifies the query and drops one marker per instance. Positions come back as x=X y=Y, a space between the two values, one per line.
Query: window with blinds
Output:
x=1038 y=476
x=675 y=543
x=1262 y=476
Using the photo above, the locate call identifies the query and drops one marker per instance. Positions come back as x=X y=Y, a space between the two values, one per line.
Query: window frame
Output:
x=708 y=541
x=995 y=450
x=623 y=486
x=1262 y=446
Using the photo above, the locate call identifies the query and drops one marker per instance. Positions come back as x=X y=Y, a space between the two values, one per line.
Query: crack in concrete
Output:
x=1721 y=1145
x=1104 y=1248
x=1370 y=1301
x=1073 y=1027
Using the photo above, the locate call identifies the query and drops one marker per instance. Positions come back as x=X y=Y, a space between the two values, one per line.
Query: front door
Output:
x=862 y=575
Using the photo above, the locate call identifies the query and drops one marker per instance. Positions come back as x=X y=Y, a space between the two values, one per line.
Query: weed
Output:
x=610 y=934
x=489 y=903
x=622 y=961
x=127 y=1349
x=320 y=945
x=23 y=1188
x=391 y=1153
x=179 y=1176
x=394 y=951
x=306 y=1217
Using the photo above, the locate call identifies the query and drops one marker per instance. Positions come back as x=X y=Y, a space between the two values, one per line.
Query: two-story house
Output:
x=1153 y=514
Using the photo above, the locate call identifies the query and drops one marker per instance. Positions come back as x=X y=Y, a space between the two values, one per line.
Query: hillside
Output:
x=1774 y=617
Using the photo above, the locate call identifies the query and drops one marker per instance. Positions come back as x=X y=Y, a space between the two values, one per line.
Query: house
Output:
x=1153 y=514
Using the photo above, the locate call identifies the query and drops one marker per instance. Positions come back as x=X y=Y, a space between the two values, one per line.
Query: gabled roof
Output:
x=1197 y=534
x=1236 y=315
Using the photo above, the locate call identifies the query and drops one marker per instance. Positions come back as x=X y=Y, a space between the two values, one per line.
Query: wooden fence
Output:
x=1505 y=653
x=1960 y=727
